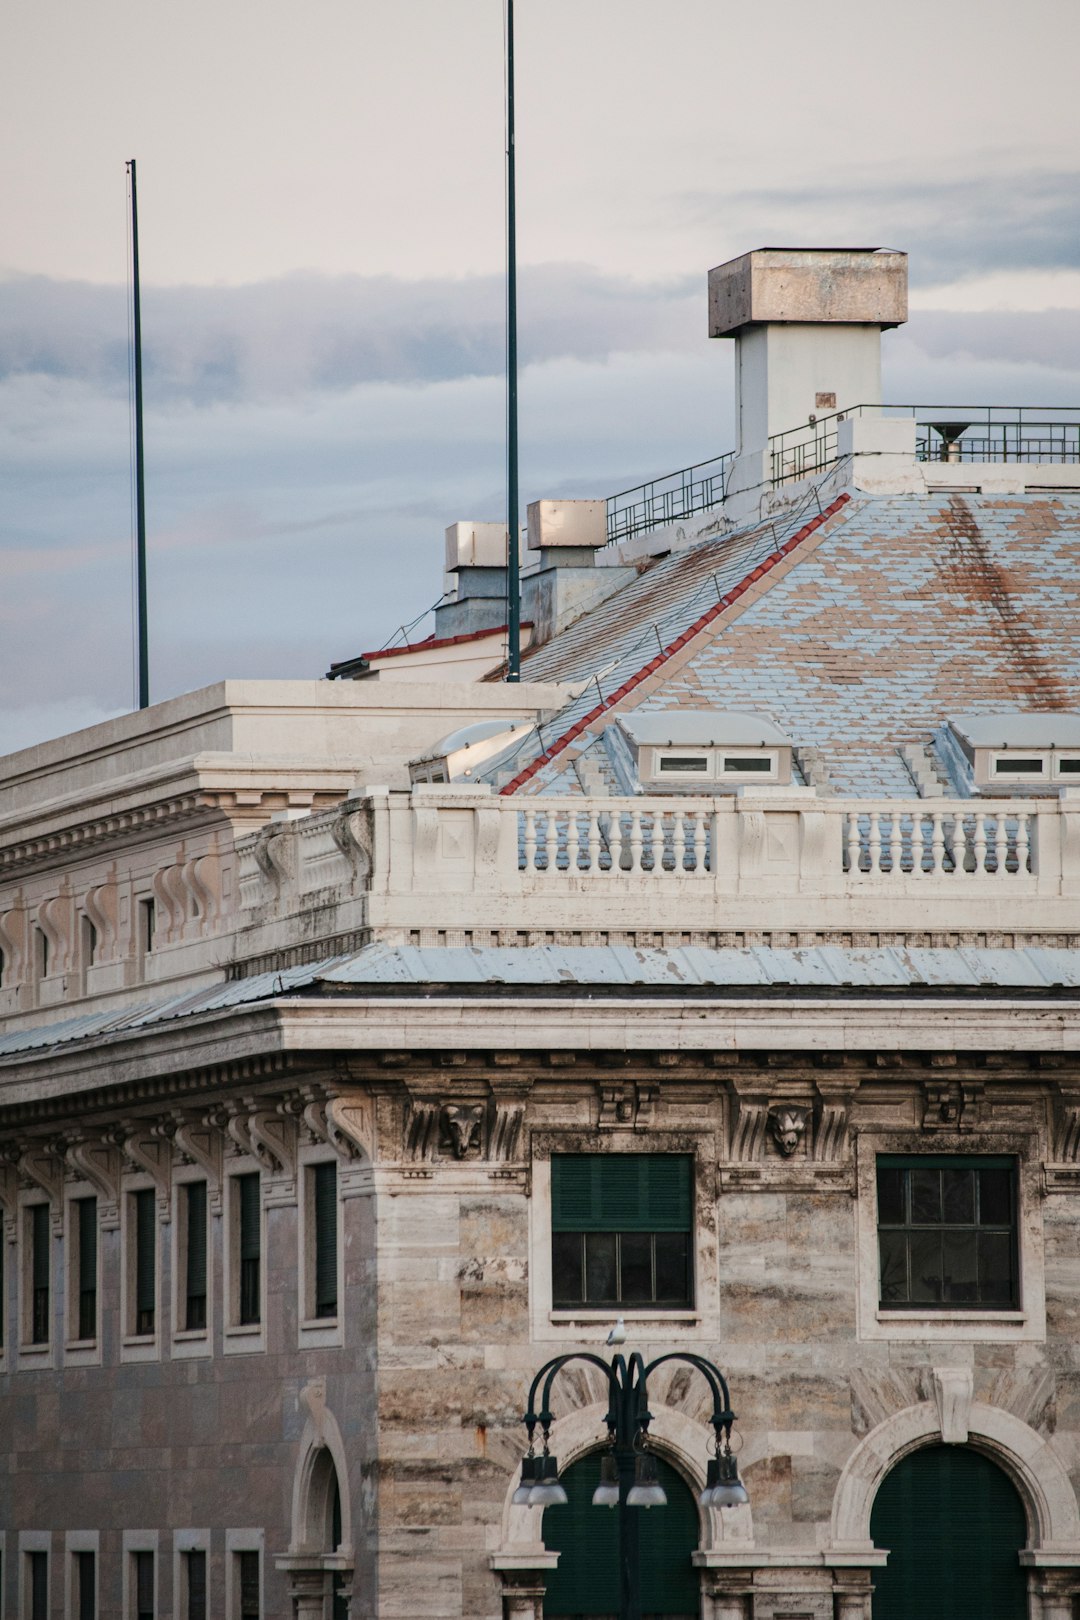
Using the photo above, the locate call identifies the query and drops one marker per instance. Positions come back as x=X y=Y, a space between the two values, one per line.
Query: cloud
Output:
x=952 y=228
x=313 y=333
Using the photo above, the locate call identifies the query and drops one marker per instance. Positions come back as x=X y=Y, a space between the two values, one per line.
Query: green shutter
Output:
x=196 y=1253
x=145 y=1253
x=953 y=1525
x=248 y=1187
x=621 y=1192
x=87 y=1275
x=40 y=1243
x=586 y=1580
x=945 y=1161
x=325 y=1200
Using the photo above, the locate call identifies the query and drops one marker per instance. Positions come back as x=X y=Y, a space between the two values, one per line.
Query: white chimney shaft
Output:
x=807 y=325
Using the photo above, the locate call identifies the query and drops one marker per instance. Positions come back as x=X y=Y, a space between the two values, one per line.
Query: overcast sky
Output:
x=321 y=224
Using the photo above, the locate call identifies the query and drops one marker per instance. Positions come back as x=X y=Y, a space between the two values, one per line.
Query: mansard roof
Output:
x=856 y=630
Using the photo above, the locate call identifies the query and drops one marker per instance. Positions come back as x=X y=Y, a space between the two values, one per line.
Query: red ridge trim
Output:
x=658 y=659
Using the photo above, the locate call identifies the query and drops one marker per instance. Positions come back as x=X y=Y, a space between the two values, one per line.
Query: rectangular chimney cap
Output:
x=810 y=286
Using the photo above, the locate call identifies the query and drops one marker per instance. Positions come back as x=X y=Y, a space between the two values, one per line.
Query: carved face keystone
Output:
x=463 y=1127
x=787 y=1126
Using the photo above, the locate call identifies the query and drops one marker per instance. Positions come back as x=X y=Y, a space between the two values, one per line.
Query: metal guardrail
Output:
x=1035 y=434
x=668 y=498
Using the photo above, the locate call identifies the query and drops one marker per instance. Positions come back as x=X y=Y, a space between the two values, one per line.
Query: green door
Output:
x=586 y=1582
x=953 y=1524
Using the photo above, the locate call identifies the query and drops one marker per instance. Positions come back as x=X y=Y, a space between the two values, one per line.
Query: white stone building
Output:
x=368 y=1043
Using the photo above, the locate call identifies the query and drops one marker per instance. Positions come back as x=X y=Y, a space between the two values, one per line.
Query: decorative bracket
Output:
x=627 y=1105
x=95 y=1160
x=952 y=1393
x=750 y=1113
x=149 y=1150
x=951 y=1105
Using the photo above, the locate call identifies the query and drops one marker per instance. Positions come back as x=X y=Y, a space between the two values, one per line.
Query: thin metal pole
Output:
x=140 y=478
x=513 y=573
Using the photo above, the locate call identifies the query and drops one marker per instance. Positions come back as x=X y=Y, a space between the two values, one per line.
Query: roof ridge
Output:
x=701 y=623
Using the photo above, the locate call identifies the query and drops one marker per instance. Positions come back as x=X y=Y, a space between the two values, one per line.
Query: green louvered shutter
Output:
x=88 y=1225
x=586 y=1580
x=954 y=1525
x=621 y=1192
x=325 y=1202
x=145 y=1260
x=195 y=1304
x=250 y=1302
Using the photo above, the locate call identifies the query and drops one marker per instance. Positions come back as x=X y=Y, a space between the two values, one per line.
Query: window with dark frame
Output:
x=248 y=1577
x=39 y=1273
x=324 y=1210
x=947 y=1232
x=195 y=1583
x=145 y=1261
x=85 y=1586
x=86 y=1232
x=621 y=1230
x=143 y=1580
x=249 y=1302
x=38 y=1567
x=195 y=1256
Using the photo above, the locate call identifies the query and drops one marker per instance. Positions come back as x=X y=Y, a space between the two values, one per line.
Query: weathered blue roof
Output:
x=900 y=612
x=689 y=967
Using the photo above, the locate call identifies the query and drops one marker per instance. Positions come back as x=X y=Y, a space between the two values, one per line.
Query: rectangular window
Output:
x=37 y=1581
x=39 y=1273
x=145 y=1264
x=1020 y=765
x=85 y=1234
x=195 y=1585
x=88 y=936
x=749 y=762
x=147 y=920
x=249 y=1249
x=195 y=1256
x=142 y=1581
x=672 y=764
x=947 y=1233
x=247 y=1575
x=621 y=1227
x=324 y=1211
x=85 y=1576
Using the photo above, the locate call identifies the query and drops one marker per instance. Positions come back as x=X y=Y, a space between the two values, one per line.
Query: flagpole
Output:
x=140 y=479
x=513 y=570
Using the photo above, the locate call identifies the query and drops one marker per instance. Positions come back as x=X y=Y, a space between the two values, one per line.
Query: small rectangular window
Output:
x=250 y=1249
x=672 y=763
x=621 y=1230
x=195 y=1584
x=142 y=1580
x=37 y=1567
x=145 y=1261
x=324 y=1209
x=89 y=941
x=147 y=922
x=248 y=1581
x=86 y=1231
x=41 y=953
x=85 y=1575
x=39 y=1273
x=740 y=763
x=1020 y=765
x=1069 y=767
x=195 y=1256
x=947 y=1233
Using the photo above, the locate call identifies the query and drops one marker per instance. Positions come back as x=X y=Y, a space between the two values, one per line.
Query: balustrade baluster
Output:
x=1001 y=845
x=978 y=842
x=896 y=842
x=617 y=841
x=854 y=861
x=1023 y=842
x=678 y=842
x=530 y=840
x=635 y=841
x=571 y=843
x=593 y=857
x=937 y=841
x=873 y=842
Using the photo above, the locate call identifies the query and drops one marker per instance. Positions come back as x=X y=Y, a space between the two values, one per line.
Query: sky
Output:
x=321 y=214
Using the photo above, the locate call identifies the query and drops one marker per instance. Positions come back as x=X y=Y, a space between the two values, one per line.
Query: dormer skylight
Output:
x=1017 y=752
x=674 y=749
x=460 y=756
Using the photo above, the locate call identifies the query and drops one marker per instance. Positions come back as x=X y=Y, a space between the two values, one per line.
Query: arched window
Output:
x=954 y=1525
x=586 y=1581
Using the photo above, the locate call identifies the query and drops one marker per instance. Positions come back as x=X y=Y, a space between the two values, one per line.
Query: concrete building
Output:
x=369 y=1042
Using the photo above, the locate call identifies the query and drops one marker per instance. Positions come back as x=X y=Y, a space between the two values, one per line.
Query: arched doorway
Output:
x=585 y=1586
x=954 y=1524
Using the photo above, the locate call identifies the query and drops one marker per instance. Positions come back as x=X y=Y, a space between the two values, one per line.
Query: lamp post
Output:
x=628 y=1474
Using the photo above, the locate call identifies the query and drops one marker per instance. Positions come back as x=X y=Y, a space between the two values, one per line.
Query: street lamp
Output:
x=628 y=1473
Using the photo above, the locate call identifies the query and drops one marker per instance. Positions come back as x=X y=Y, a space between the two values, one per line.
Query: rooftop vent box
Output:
x=465 y=753
x=714 y=749
x=1005 y=754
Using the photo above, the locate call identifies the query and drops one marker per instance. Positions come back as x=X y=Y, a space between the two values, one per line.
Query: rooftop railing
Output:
x=1033 y=434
